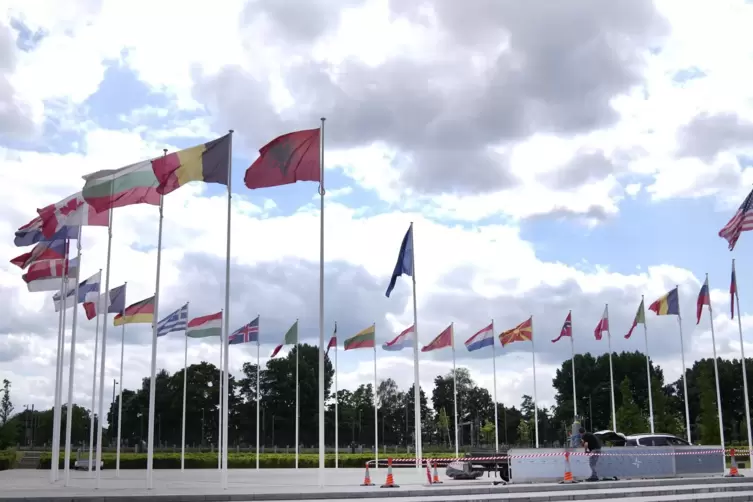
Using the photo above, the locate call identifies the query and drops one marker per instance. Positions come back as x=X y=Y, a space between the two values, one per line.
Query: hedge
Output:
x=235 y=460
x=7 y=459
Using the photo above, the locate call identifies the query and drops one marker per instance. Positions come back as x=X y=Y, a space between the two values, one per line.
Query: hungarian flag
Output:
x=523 y=332
x=732 y=291
x=291 y=338
x=603 y=324
x=640 y=318
x=703 y=299
x=286 y=159
x=73 y=211
x=444 y=339
x=205 y=326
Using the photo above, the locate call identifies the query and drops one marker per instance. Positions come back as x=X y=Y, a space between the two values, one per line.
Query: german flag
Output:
x=139 y=313
x=523 y=332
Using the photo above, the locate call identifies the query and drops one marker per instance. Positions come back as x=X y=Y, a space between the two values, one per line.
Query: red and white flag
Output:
x=603 y=324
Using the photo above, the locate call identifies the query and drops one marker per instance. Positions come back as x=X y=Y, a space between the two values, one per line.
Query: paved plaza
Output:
x=341 y=484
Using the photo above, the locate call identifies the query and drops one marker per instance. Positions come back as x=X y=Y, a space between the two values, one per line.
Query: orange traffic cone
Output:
x=428 y=472
x=733 y=472
x=436 y=480
x=367 y=477
x=568 y=479
x=390 y=482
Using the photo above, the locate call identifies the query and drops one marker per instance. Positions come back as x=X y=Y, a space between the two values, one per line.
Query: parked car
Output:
x=612 y=438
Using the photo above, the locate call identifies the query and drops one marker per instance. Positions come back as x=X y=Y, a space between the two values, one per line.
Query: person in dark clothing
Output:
x=593 y=446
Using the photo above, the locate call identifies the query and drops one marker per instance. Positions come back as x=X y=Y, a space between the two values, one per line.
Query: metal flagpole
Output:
x=226 y=319
x=153 y=379
x=535 y=395
x=337 y=411
x=120 y=400
x=611 y=371
x=219 y=403
x=494 y=371
x=716 y=375
x=742 y=355
x=258 y=395
x=684 y=376
x=416 y=382
x=322 y=445
x=183 y=419
x=376 y=411
x=572 y=361
x=72 y=365
x=59 y=425
x=55 y=465
x=297 y=395
x=648 y=371
x=94 y=384
x=454 y=389
x=102 y=356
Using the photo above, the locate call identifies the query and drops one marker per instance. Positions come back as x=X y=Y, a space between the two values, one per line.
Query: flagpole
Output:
x=376 y=412
x=742 y=355
x=648 y=371
x=59 y=425
x=258 y=395
x=494 y=371
x=94 y=385
x=454 y=389
x=535 y=396
x=321 y=315
x=297 y=393
x=104 y=349
x=572 y=361
x=185 y=383
x=219 y=403
x=611 y=370
x=417 y=383
x=716 y=373
x=55 y=458
x=226 y=319
x=72 y=365
x=153 y=378
x=120 y=399
x=684 y=375
x=337 y=399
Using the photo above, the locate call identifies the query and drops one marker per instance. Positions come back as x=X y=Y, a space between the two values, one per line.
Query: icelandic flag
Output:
x=484 y=338
x=112 y=302
x=71 y=211
x=88 y=290
x=31 y=233
x=47 y=275
x=404 y=263
x=246 y=334
x=401 y=341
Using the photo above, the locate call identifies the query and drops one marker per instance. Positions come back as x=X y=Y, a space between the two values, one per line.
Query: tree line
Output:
x=396 y=409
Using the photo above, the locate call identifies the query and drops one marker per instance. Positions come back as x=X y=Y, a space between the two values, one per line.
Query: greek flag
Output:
x=177 y=321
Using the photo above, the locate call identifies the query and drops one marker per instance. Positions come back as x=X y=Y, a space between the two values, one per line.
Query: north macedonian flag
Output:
x=209 y=162
x=523 y=332
x=364 y=339
x=139 y=313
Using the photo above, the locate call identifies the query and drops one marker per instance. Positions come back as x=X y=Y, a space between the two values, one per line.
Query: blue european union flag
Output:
x=404 y=263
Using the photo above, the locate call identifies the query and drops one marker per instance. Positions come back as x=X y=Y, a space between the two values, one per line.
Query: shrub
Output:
x=7 y=459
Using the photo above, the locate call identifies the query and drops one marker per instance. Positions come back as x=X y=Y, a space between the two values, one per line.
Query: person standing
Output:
x=592 y=446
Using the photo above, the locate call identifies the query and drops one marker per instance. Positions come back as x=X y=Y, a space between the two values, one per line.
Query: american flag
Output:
x=741 y=222
x=246 y=334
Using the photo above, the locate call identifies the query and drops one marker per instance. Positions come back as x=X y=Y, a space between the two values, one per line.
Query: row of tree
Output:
x=396 y=409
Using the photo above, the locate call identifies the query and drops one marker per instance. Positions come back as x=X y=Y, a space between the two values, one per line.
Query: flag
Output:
x=401 y=341
x=364 y=339
x=703 y=299
x=444 y=339
x=205 y=326
x=332 y=341
x=31 y=233
x=668 y=304
x=177 y=321
x=209 y=162
x=567 y=328
x=404 y=263
x=640 y=318
x=286 y=159
x=86 y=289
x=139 y=313
x=112 y=302
x=603 y=324
x=741 y=222
x=291 y=338
x=111 y=188
x=49 y=250
x=73 y=211
x=484 y=338
x=523 y=332
x=47 y=275
x=732 y=292
x=247 y=334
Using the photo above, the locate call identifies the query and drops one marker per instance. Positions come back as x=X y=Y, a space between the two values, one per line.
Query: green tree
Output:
x=6 y=406
x=666 y=419
x=630 y=418
x=525 y=429
x=709 y=417
x=443 y=426
x=488 y=432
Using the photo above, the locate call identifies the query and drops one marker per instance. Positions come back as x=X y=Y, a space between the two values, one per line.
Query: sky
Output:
x=553 y=156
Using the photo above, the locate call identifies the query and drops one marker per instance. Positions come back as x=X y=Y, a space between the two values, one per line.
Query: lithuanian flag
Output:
x=139 y=313
x=209 y=163
x=364 y=339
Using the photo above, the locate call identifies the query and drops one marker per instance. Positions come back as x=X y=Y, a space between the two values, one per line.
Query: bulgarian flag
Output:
x=291 y=338
x=205 y=326
x=139 y=313
x=364 y=339
x=111 y=188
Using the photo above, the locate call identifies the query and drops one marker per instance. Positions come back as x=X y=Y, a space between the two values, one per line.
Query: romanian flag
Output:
x=703 y=299
x=209 y=163
x=668 y=304
x=138 y=313
x=523 y=332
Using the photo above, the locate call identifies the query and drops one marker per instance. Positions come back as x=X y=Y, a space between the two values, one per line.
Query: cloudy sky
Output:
x=553 y=156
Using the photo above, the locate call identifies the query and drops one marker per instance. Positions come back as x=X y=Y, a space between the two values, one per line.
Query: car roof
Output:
x=659 y=434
